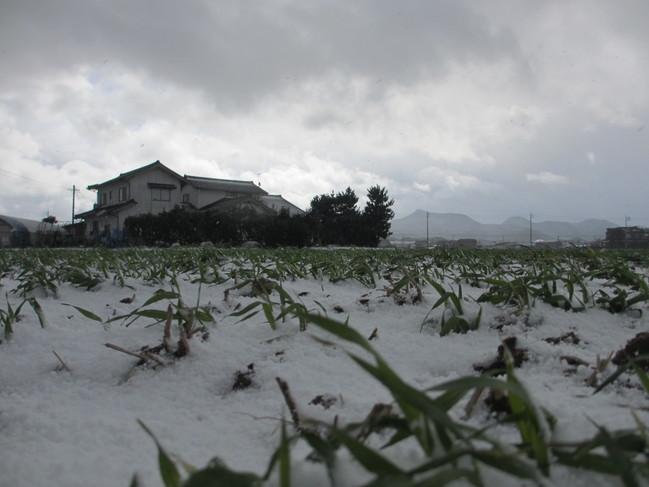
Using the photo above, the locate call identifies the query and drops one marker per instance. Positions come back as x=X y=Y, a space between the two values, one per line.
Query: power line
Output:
x=22 y=177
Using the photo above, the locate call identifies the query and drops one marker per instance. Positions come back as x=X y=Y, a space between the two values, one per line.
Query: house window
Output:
x=103 y=199
x=122 y=194
x=186 y=198
x=160 y=194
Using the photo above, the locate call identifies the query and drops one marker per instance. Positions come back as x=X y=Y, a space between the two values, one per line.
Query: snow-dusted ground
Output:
x=79 y=427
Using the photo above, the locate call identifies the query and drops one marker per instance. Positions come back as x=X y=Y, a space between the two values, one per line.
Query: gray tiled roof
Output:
x=225 y=185
x=129 y=174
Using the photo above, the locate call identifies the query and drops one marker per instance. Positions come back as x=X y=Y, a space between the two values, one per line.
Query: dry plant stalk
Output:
x=167 y=332
x=183 y=344
x=283 y=386
x=468 y=409
x=62 y=362
x=190 y=323
x=374 y=334
x=142 y=356
x=130 y=373
x=600 y=366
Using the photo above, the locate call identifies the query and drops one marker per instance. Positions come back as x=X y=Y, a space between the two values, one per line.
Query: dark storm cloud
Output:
x=240 y=51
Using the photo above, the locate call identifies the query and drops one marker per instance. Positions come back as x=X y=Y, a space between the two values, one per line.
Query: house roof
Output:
x=21 y=224
x=244 y=202
x=278 y=199
x=104 y=210
x=229 y=185
x=130 y=174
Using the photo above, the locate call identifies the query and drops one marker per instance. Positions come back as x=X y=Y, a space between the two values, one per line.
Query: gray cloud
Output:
x=475 y=107
x=242 y=50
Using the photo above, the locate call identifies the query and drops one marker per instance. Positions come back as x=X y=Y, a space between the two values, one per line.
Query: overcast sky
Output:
x=491 y=108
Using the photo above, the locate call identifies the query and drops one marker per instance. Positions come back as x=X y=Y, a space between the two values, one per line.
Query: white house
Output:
x=155 y=188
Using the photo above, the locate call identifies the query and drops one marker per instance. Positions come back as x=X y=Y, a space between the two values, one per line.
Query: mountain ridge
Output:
x=453 y=226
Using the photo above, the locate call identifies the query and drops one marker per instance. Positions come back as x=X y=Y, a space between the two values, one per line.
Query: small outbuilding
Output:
x=21 y=232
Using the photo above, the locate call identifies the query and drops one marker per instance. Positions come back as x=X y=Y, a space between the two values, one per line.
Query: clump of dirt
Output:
x=569 y=337
x=243 y=378
x=498 y=402
x=324 y=400
x=637 y=346
x=498 y=365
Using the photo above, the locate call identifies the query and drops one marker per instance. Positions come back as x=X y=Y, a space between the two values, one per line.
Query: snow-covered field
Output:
x=70 y=405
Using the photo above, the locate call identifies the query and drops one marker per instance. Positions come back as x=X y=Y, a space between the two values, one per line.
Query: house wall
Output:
x=154 y=200
x=204 y=197
x=150 y=200
x=103 y=226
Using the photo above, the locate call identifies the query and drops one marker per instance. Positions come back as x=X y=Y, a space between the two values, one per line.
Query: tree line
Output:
x=332 y=219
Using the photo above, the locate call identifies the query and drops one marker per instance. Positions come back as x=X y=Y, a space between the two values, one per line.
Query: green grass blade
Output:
x=368 y=458
x=323 y=450
x=36 y=306
x=284 y=459
x=156 y=314
x=247 y=311
x=617 y=456
x=506 y=462
x=85 y=312
x=267 y=308
x=340 y=330
x=160 y=295
x=168 y=471
x=642 y=375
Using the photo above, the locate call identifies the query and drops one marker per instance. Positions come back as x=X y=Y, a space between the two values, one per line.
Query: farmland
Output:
x=317 y=367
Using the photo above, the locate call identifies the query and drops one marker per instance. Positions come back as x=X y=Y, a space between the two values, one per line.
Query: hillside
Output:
x=453 y=226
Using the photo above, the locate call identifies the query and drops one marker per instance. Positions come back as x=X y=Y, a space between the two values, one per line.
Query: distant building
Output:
x=553 y=245
x=21 y=232
x=627 y=238
x=462 y=243
x=154 y=189
x=467 y=243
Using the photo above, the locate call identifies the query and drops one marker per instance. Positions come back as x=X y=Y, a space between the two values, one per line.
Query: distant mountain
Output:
x=453 y=226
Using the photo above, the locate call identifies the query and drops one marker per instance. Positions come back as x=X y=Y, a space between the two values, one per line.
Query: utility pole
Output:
x=531 y=216
x=427 y=244
x=74 y=194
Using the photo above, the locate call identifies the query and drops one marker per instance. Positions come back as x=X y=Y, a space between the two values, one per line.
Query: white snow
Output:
x=79 y=427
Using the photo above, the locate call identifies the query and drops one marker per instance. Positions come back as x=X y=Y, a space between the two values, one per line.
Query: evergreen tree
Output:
x=377 y=216
x=334 y=218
